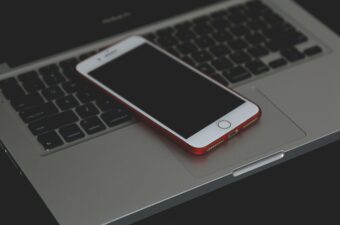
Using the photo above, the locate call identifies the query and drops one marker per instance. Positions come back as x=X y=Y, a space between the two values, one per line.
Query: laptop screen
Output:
x=30 y=31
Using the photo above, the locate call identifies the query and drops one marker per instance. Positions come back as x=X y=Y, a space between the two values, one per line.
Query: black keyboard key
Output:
x=257 y=67
x=53 y=78
x=313 y=50
x=203 y=29
x=291 y=37
x=87 y=110
x=86 y=96
x=240 y=57
x=71 y=133
x=186 y=48
x=167 y=41
x=50 y=140
x=257 y=7
x=222 y=63
x=206 y=68
x=92 y=125
x=217 y=77
x=273 y=19
x=236 y=74
x=286 y=41
x=220 y=50
x=13 y=91
x=240 y=30
x=106 y=103
x=258 y=51
x=52 y=93
x=237 y=18
x=50 y=69
x=220 y=24
x=31 y=81
x=69 y=63
x=98 y=93
x=86 y=85
x=204 y=42
x=52 y=122
x=292 y=54
x=71 y=73
x=258 y=25
x=38 y=112
x=278 y=31
x=278 y=63
x=115 y=117
x=27 y=101
x=238 y=44
x=201 y=56
x=70 y=87
x=222 y=36
x=28 y=76
x=33 y=85
x=255 y=38
x=8 y=82
x=67 y=102
x=185 y=35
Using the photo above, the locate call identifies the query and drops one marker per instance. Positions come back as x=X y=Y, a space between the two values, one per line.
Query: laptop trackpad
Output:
x=272 y=131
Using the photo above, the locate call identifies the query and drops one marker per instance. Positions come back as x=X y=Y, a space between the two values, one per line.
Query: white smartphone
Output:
x=188 y=106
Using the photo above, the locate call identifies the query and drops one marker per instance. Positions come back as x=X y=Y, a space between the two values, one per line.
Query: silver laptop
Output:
x=93 y=163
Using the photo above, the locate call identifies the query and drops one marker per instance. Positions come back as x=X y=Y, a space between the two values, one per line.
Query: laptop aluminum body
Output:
x=130 y=173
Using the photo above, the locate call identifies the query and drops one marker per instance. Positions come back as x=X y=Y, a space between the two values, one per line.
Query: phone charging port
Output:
x=233 y=133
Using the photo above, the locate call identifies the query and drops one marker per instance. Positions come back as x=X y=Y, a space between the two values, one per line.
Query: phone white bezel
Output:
x=200 y=139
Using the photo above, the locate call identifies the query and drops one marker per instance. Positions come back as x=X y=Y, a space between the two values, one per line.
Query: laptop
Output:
x=92 y=162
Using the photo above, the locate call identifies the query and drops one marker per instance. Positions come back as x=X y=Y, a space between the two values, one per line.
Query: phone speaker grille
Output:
x=215 y=145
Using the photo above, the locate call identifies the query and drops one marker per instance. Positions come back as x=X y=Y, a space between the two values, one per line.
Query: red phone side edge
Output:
x=211 y=146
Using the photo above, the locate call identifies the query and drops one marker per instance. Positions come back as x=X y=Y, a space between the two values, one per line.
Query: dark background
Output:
x=303 y=190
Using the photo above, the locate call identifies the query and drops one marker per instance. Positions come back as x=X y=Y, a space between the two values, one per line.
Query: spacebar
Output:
x=52 y=122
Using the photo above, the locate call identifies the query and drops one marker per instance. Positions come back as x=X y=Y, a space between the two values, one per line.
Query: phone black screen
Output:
x=171 y=93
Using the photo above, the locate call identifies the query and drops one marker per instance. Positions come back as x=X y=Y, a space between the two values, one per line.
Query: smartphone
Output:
x=183 y=103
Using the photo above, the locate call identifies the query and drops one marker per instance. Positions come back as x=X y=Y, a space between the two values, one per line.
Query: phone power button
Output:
x=224 y=124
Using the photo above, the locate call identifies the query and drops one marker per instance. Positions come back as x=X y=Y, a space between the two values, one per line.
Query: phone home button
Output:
x=224 y=124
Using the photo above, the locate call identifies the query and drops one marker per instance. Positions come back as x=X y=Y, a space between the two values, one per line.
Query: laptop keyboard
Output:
x=60 y=107
x=234 y=44
x=229 y=45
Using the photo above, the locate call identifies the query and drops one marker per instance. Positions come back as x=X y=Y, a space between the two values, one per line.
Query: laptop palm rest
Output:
x=263 y=139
